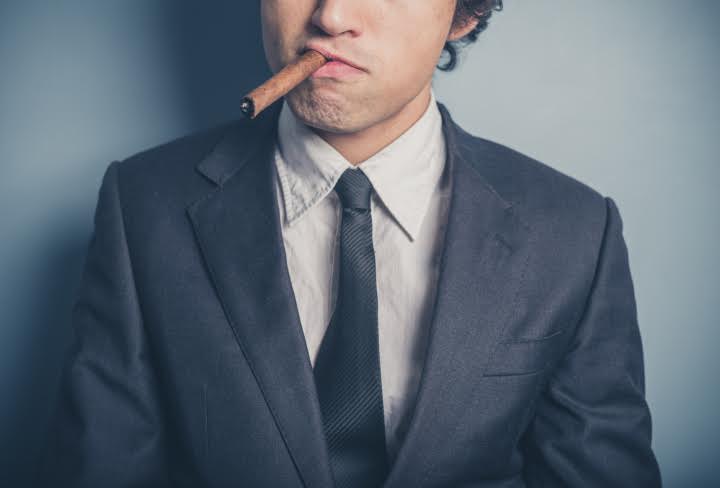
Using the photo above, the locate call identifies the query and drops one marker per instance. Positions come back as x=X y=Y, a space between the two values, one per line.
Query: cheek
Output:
x=270 y=31
x=413 y=37
x=411 y=58
x=283 y=22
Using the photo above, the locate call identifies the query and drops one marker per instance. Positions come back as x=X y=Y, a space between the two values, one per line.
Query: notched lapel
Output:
x=238 y=230
x=483 y=261
x=484 y=258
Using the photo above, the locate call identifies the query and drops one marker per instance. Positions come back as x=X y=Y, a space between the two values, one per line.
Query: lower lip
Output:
x=336 y=69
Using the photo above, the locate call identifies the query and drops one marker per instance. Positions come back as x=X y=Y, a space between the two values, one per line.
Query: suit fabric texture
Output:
x=189 y=367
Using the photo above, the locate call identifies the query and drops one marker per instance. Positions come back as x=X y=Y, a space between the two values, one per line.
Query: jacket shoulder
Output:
x=201 y=158
x=177 y=156
x=537 y=190
x=169 y=174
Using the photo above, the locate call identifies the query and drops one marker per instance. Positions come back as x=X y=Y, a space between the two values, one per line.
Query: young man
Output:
x=350 y=290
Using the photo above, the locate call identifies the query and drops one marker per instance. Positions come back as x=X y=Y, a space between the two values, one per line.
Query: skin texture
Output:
x=397 y=43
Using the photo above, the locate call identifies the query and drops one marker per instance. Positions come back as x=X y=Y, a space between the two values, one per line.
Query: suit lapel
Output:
x=484 y=256
x=482 y=266
x=238 y=229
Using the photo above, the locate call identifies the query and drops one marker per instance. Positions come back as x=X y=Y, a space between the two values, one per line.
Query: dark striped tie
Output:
x=347 y=368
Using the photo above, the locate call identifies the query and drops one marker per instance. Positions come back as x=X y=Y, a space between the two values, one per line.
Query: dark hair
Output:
x=465 y=11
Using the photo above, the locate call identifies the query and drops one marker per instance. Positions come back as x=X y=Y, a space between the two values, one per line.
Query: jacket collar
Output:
x=241 y=143
x=246 y=137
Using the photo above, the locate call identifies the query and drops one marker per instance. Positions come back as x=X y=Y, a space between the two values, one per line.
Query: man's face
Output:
x=397 y=43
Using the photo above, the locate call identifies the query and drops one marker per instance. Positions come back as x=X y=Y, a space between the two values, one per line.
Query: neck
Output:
x=358 y=146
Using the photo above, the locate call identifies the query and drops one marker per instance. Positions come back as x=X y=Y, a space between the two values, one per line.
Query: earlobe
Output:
x=463 y=29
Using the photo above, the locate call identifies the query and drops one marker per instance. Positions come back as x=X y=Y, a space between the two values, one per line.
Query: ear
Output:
x=463 y=29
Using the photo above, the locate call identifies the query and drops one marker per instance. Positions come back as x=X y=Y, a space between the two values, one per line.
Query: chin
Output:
x=322 y=113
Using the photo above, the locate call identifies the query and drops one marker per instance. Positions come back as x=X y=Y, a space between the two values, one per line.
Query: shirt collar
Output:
x=404 y=174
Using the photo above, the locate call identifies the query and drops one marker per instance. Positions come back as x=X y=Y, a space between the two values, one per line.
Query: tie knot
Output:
x=354 y=189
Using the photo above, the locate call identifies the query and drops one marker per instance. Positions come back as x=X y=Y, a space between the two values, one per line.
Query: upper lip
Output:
x=331 y=55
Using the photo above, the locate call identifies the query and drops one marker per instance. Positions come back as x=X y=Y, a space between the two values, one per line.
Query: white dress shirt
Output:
x=409 y=211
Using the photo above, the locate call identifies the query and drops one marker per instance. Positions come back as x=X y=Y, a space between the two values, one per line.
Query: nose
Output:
x=336 y=17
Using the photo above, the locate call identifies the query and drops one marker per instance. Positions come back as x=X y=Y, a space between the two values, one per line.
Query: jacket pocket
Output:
x=524 y=356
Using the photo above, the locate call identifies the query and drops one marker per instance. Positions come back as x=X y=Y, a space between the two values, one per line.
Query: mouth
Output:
x=332 y=57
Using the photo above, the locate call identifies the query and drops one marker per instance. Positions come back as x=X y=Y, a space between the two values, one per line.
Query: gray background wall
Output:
x=619 y=94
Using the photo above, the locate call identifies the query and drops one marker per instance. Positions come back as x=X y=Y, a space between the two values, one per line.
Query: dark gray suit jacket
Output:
x=189 y=366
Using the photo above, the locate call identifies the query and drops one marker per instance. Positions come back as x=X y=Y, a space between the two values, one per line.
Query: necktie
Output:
x=347 y=368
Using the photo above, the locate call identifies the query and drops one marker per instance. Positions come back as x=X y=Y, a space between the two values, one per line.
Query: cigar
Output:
x=281 y=83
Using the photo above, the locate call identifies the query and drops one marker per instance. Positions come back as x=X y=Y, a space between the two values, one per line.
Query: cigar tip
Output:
x=247 y=107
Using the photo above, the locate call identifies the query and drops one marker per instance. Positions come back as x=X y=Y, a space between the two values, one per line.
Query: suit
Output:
x=189 y=366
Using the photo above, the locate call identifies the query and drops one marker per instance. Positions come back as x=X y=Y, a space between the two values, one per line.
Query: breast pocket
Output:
x=524 y=356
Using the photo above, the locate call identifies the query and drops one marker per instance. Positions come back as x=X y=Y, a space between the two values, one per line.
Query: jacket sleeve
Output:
x=592 y=426
x=107 y=430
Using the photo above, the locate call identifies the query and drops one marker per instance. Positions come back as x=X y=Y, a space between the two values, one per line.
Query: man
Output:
x=350 y=290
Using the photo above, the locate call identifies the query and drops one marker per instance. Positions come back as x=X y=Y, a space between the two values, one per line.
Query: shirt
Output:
x=408 y=208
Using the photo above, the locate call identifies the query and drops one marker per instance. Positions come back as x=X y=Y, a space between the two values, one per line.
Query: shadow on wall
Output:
x=217 y=58
x=220 y=55
x=46 y=302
